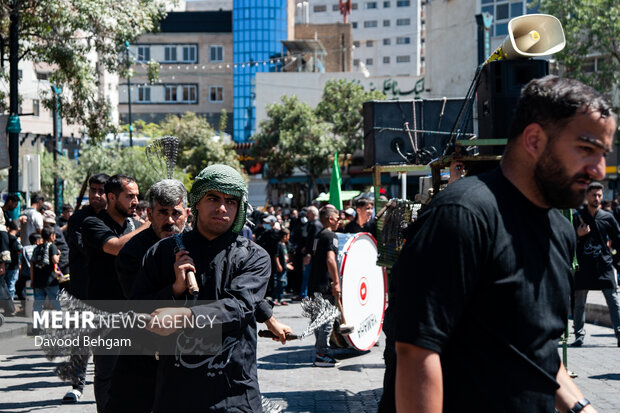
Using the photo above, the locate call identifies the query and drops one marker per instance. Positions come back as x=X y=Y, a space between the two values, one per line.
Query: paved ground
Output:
x=286 y=375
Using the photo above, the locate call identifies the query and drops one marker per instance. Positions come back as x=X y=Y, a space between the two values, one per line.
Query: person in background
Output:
x=281 y=266
x=15 y=247
x=31 y=219
x=10 y=203
x=63 y=219
x=43 y=274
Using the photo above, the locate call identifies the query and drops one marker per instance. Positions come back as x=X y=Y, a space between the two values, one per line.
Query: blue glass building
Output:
x=258 y=29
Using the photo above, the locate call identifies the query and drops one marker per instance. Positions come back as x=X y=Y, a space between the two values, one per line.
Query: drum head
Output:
x=363 y=290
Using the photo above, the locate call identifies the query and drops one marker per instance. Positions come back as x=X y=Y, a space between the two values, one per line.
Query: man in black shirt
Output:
x=595 y=227
x=103 y=236
x=324 y=279
x=313 y=227
x=483 y=284
x=229 y=269
x=363 y=221
x=78 y=278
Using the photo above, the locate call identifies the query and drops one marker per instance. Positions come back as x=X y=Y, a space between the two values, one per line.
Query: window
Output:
x=386 y=4
x=369 y=62
x=336 y=7
x=354 y=25
x=170 y=94
x=403 y=3
x=403 y=59
x=370 y=43
x=386 y=23
x=403 y=22
x=42 y=76
x=370 y=23
x=354 y=6
x=170 y=54
x=403 y=40
x=216 y=53
x=387 y=42
x=501 y=11
x=144 y=53
x=356 y=62
x=356 y=43
x=189 y=93
x=320 y=8
x=216 y=94
x=386 y=59
x=371 y=5
x=35 y=107
x=189 y=54
x=144 y=93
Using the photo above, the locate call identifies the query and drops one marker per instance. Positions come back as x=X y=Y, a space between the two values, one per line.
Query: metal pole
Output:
x=129 y=95
x=57 y=130
x=13 y=126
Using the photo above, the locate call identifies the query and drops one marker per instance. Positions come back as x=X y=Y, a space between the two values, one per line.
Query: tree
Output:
x=341 y=106
x=80 y=39
x=592 y=30
x=293 y=136
x=198 y=147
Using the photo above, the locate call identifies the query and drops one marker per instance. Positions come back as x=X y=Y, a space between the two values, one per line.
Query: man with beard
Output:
x=595 y=227
x=103 y=237
x=230 y=270
x=78 y=271
x=478 y=322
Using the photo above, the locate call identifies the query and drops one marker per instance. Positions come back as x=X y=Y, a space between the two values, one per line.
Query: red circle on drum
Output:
x=363 y=291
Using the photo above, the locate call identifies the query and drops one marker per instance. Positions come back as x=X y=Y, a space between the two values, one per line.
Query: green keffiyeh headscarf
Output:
x=221 y=178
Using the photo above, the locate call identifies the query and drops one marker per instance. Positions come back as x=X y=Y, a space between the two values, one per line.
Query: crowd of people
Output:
x=470 y=325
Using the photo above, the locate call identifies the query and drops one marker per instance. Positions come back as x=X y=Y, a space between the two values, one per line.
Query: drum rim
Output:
x=342 y=267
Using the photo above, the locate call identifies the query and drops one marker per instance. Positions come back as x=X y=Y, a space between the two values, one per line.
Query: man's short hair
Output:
x=167 y=192
x=363 y=202
x=115 y=184
x=47 y=232
x=67 y=207
x=325 y=212
x=552 y=101
x=12 y=198
x=36 y=198
x=594 y=186
x=34 y=237
x=12 y=225
x=99 y=179
x=314 y=210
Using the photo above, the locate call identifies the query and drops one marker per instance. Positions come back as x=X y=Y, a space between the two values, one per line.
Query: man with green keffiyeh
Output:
x=231 y=271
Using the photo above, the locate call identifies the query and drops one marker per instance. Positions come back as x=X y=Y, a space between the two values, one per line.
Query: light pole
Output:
x=129 y=93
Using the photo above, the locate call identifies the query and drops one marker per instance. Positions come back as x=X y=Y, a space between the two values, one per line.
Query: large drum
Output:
x=364 y=288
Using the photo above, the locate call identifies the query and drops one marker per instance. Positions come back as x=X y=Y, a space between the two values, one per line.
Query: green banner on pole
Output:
x=335 y=182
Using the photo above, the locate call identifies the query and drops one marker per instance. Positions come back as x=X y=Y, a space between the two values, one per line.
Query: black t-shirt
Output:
x=78 y=284
x=63 y=247
x=314 y=227
x=354 y=227
x=45 y=276
x=129 y=259
x=282 y=255
x=103 y=281
x=485 y=282
x=320 y=280
x=15 y=246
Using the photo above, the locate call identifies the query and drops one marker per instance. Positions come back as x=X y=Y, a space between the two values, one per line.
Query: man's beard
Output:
x=554 y=183
x=123 y=210
x=175 y=229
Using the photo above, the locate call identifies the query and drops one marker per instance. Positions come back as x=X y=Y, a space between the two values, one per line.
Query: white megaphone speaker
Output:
x=530 y=35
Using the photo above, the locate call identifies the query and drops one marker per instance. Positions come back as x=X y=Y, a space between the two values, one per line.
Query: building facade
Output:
x=195 y=55
x=388 y=35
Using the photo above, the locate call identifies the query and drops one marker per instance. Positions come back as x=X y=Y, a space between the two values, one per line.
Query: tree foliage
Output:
x=592 y=29
x=80 y=39
x=341 y=106
x=294 y=135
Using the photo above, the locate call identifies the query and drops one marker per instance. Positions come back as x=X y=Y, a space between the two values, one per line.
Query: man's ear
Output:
x=534 y=140
x=149 y=214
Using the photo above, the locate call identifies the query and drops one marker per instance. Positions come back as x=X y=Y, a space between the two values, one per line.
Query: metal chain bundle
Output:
x=162 y=154
x=319 y=311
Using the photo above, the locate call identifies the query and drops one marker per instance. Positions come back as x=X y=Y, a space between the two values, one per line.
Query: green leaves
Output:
x=81 y=39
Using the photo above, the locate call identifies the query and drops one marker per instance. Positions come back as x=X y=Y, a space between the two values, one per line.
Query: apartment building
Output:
x=388 y=35
x=195 y=55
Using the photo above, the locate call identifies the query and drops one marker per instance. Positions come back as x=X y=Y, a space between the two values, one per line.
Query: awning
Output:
x=344 y=195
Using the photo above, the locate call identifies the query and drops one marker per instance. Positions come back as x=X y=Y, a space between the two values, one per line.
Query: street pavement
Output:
x=287 y=377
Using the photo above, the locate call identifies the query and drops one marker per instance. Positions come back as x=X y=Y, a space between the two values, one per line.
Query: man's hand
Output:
x=307 y=259
x=165 y=321
x=336 y=290
x=182 y=265
x=279 y=329
x=583 y=229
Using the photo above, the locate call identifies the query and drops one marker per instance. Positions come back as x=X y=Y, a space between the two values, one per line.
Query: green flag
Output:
x=334 y=185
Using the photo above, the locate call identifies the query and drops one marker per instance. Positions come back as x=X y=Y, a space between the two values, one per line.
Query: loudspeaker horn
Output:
x=531 y=35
